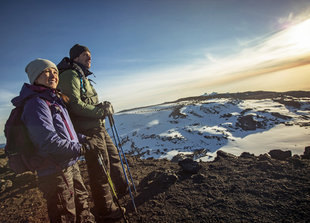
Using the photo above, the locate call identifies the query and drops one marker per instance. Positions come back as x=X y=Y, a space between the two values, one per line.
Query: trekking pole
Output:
x=118 y=146
x=113 y=127
x=101 y=162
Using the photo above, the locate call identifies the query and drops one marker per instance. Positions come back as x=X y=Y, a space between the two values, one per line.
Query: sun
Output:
x=299 y=35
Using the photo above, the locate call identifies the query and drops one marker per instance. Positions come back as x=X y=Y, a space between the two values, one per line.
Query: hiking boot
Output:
x=115 y=213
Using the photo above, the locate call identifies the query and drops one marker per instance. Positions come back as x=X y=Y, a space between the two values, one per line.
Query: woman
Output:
x=52 y=133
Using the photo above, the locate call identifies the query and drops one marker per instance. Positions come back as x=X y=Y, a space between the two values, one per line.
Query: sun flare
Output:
x=299 y=35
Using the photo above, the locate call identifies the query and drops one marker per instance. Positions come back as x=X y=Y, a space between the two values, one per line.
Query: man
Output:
x=88 y=117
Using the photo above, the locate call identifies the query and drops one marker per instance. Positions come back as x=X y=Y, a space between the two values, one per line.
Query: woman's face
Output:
x=48 y=78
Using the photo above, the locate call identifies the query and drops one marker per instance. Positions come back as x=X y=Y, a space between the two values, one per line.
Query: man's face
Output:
x=84 y=59
x=48 y=78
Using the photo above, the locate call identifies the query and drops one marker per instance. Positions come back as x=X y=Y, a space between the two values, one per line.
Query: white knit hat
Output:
x=35 y=68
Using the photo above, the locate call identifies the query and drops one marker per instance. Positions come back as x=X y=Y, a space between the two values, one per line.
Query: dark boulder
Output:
x=179 y=157
x=190 y=166
x=221 y=154
x=279 y=154
x=248 y=122
x=247 y=155
x=306 y=154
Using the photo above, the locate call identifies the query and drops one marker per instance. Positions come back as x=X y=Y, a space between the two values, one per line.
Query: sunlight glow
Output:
x=285 y=50
x=299 y=35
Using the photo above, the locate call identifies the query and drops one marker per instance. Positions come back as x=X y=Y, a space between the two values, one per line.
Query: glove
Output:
x=89 y=145
x=108 y=108
x=85 y=149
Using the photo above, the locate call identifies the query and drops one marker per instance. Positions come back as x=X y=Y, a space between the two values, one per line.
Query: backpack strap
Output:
x=67 y=64
x=62 y=117
x=83 y=89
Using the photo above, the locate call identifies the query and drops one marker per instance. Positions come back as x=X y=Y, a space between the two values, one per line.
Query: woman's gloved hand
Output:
x=90 y=145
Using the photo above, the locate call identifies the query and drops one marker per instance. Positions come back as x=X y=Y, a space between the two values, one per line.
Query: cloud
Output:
x=5 y=108
x=211 y=58
x=6 y=97
x=283 y=50
x=291 y=19
x=286 y=49
x=285 y=22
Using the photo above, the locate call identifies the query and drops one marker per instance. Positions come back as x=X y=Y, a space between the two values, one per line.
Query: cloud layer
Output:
x=285 y=50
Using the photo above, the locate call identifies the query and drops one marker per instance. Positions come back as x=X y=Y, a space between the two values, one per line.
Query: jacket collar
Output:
x=28 y=91
x=86 y=72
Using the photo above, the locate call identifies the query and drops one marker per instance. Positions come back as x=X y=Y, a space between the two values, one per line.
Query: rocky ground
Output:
x=247 y=188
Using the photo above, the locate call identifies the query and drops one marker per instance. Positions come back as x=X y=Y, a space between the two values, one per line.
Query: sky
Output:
x=147 y=52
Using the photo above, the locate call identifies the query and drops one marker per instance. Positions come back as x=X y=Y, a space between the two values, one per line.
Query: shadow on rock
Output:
x=155 y=183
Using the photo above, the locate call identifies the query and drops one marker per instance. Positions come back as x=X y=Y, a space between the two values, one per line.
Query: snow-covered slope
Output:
x=203 y=125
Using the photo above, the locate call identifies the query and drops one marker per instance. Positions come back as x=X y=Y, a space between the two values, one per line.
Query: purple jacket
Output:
x=49 y=127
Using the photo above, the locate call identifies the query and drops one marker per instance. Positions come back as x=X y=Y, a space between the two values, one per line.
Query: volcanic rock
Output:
x=189 y=166
x=279 y=154
x=306 y=154
x=229 y=189
x=247 y=122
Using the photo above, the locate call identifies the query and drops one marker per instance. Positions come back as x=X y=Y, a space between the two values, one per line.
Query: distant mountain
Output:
x=201 y=125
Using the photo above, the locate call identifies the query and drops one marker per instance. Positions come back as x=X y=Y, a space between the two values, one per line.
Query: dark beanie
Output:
x=77 y=50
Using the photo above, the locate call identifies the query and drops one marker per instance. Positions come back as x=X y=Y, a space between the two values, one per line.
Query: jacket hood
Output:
x=66 y=64
x=28 y=91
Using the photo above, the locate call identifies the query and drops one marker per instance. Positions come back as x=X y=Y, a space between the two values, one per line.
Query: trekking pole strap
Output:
x=101 y=162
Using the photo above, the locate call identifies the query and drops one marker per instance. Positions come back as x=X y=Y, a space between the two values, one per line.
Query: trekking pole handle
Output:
x=111 y=119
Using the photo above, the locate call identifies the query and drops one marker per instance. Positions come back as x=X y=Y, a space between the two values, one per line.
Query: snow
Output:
x=165 y=130
x=282 y=137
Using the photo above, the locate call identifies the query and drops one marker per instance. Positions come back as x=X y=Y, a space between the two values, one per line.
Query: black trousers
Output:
x=66 y=196
x=100 y=188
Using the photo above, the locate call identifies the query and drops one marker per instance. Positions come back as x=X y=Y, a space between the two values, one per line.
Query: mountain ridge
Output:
x=240 y=95
x=215 y=122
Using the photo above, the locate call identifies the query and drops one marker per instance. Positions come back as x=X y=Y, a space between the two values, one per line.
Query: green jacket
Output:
x=83 y=98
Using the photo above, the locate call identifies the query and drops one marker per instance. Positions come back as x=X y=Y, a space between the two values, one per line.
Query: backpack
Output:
x=66 y=64
x=19 y=148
